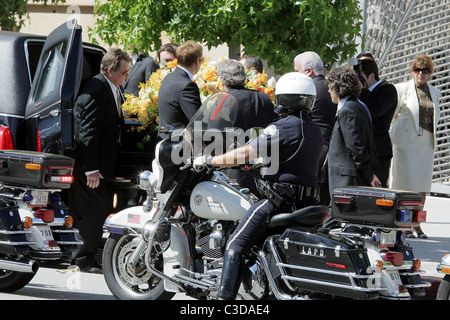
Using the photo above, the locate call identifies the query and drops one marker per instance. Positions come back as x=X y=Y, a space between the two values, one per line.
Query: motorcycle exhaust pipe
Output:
x=30 y=266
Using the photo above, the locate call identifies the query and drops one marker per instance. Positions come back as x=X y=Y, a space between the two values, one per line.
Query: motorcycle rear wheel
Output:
x=11 y=281
x=444 y=289
x=126 y=284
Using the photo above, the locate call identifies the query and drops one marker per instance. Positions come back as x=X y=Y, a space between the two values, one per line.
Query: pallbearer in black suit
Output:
x=255 y=109
x=97 y=123
x=141 y=69
x=351 y=156
x=323 y=112
x=381 y=98
x=179 y=96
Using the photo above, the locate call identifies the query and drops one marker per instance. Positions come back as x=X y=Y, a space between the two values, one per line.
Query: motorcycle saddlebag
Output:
x=323 y=263
x=35 y=169
x=380 y=206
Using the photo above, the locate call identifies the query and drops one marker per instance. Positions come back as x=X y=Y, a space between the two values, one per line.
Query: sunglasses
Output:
x=423 y=70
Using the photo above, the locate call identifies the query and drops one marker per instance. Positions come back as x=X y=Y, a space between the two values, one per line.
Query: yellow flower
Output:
x=172 y=64
x=144 y=107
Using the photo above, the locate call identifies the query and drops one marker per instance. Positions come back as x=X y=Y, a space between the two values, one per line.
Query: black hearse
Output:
x=40 y=79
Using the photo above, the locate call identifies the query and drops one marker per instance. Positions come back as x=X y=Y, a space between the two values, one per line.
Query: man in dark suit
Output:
x=141 y=69
x=255 y=109
x=179 y=96
x=97 y=124
x=252 y=62
x=381 y=98
x=323 y=112
x=352 y=155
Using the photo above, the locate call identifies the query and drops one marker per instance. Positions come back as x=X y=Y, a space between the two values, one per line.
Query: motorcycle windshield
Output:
x=218 y=112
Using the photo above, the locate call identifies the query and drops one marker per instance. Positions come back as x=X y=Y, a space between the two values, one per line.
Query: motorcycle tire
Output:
x=126 y=284
x=11 y=281
x=444 y=289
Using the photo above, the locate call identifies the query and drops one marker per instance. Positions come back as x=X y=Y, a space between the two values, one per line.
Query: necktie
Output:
x=119 y=110
x=119 y=102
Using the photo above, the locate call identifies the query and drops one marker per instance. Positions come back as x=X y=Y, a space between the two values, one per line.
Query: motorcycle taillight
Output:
x=46 y=215
x=396 y=258
x=59 y=173
x=420 y=216
x=410 y=212
x=62 y=179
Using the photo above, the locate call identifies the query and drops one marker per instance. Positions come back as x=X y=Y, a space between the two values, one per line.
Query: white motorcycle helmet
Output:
x=294 y=91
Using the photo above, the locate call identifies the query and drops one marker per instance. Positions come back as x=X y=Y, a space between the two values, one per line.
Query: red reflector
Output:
x=420 y=216
x=52 y=243
x=6 y=142
x=411 y=203
x=340 y=266
x=343 y=200
x=46 y=215
x=396 y=258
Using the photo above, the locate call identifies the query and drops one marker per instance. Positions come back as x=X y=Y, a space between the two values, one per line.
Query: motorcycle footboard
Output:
x=318 y=264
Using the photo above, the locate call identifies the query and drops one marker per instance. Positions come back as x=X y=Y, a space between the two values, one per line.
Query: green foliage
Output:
x=275 y=30
x=14 y=13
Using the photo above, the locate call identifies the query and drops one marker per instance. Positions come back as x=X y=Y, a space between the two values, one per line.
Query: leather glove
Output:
x=202 y=162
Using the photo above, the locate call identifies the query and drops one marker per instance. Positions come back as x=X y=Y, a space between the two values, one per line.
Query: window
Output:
x=51 y=77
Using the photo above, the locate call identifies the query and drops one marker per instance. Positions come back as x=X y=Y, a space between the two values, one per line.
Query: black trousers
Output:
x=89 y=209
x=254 y=225
x=382 y=172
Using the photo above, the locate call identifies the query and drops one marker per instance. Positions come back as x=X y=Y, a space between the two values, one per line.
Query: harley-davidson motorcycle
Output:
x=175 y=242
x=35 y=225
x=443 y=292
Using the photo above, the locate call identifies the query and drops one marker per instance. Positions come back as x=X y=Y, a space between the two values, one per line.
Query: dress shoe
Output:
x=88 y=265
x=91 y=268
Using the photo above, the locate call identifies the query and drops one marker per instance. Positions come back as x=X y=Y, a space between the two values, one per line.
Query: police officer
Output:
x=298 y=142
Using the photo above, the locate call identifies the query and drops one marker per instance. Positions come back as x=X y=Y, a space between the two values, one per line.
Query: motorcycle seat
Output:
x=309 y=216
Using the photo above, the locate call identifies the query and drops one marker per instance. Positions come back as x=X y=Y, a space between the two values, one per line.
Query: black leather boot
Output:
x=231 y=275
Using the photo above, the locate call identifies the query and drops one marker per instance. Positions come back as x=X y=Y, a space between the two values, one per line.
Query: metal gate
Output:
x=398 y=30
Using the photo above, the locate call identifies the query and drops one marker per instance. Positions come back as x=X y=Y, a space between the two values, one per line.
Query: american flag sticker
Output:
x=134 y=218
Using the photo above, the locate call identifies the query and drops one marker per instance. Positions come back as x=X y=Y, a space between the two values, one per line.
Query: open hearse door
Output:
x=55 y=86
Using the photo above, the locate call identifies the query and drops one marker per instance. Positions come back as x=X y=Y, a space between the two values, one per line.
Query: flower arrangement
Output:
x=144 y=107
x=258 y=81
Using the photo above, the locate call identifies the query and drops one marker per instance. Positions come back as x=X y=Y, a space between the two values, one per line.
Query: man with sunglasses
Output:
x=97 y=124
x=381 y=98
x=413 y=131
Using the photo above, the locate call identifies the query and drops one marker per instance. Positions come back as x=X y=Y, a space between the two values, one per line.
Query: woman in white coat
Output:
x=413 y=131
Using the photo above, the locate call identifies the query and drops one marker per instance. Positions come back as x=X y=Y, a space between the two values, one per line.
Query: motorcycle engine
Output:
x=212 y=236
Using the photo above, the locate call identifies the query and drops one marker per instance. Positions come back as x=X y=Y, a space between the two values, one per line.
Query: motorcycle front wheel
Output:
x=126 y=283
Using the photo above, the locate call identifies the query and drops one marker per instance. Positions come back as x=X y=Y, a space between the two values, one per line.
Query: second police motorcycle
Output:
x=174 y=242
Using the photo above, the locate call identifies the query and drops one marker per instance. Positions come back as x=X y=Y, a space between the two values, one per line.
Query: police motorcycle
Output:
x=35 y=225
x=443 y=292
x=175 y=241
